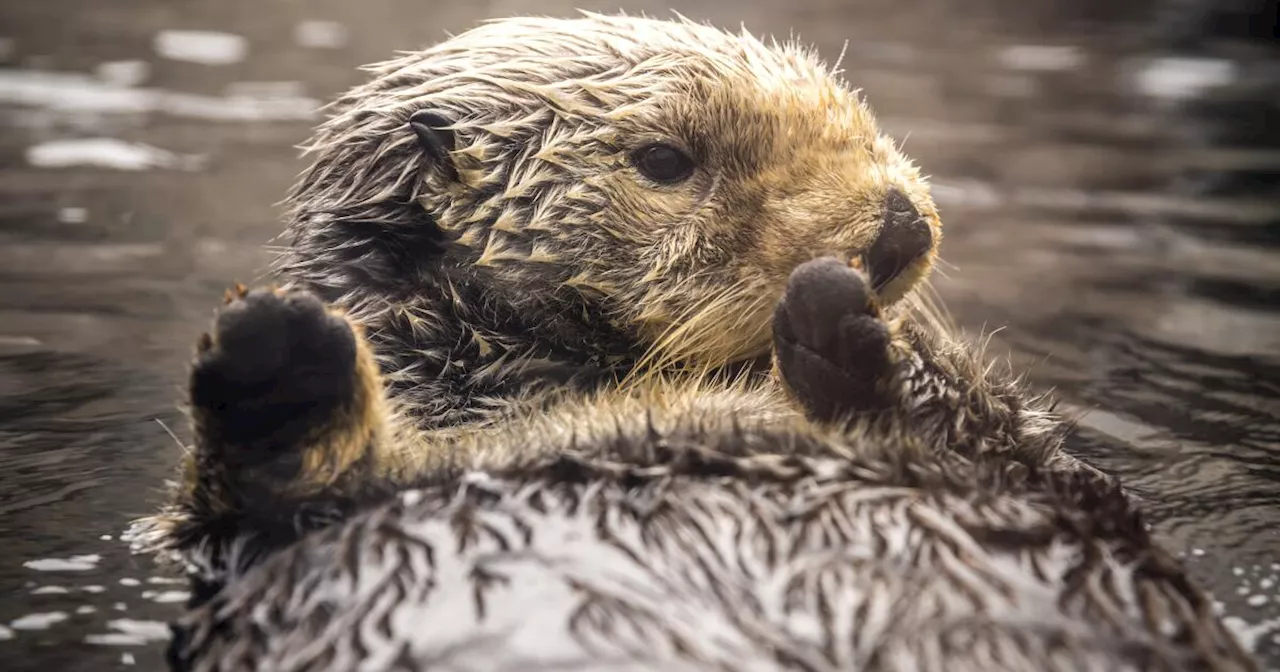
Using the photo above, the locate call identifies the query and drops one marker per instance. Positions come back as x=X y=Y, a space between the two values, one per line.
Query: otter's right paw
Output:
x=832 y=348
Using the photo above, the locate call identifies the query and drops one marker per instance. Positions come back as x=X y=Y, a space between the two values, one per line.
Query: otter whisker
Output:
x=723 y=328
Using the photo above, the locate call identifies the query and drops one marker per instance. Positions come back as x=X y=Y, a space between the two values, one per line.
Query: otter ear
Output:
x=434 y=136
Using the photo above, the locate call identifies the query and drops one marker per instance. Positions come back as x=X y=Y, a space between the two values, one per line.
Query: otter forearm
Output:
x=291 y=424
x=962 y=402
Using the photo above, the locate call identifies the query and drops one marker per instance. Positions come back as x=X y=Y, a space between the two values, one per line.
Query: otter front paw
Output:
x=831 y=346
x=277 y=366
x=285 y=400
x=288 y=411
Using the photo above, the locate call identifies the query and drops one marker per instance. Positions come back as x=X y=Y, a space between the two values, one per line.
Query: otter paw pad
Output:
x=274 y=358
x=832 y=347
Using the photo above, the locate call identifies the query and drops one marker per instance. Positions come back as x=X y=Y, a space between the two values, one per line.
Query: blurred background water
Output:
x=1109 y=175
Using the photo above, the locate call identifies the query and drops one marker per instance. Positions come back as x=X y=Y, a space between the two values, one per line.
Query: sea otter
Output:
x=600 y=344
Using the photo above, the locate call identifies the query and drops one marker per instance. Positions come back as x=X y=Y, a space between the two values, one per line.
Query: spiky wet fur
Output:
x=549 y=465
x=542 y=257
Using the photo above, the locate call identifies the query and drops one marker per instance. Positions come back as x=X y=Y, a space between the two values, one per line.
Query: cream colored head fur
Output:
x=544 y=199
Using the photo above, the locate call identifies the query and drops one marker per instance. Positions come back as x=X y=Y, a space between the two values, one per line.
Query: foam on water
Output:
x=108 y=153
x=206 y=47
x=78 y=92
x=39 y=621
x=76 y=563
x=1256 y=587
x=1041 y=58
x=123 y=73
x=73 y=215
x=130 y=632
x=321 y=34
x=1181 y=78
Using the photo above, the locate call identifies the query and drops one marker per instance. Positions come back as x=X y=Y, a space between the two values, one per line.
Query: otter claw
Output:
x=832 y=347
x=236 y=291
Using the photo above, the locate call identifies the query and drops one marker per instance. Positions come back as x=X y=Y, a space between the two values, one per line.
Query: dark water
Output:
x=1109 y=178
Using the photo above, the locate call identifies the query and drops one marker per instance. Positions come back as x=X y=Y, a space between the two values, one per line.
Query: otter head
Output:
x=661 y=178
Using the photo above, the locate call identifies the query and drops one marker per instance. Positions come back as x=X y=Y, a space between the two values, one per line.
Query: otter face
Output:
x=740 y=177
x=662 y=177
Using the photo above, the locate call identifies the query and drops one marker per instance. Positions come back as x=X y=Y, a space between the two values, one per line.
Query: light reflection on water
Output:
x=66 y=92
x=1113 y=205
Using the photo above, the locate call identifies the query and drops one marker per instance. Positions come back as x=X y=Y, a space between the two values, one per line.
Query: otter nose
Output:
x=904 y=236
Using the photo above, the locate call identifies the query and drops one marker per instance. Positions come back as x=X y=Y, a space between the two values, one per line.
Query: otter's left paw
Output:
x=832 y=348
x=278 y=366
x=288 y=412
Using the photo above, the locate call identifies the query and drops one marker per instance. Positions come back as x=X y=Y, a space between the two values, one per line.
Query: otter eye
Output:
x=663 y=163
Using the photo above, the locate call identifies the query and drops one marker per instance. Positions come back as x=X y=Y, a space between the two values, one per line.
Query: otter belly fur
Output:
x=601 y=345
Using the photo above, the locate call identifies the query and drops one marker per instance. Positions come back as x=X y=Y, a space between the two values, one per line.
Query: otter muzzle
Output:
x=904 y=237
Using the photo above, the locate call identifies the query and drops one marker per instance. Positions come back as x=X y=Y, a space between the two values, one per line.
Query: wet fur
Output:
x=507 y=434
x=538 y=257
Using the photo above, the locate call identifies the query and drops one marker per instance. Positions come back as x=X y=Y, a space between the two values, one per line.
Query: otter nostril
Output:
x=904 y=236
x=897 y=202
